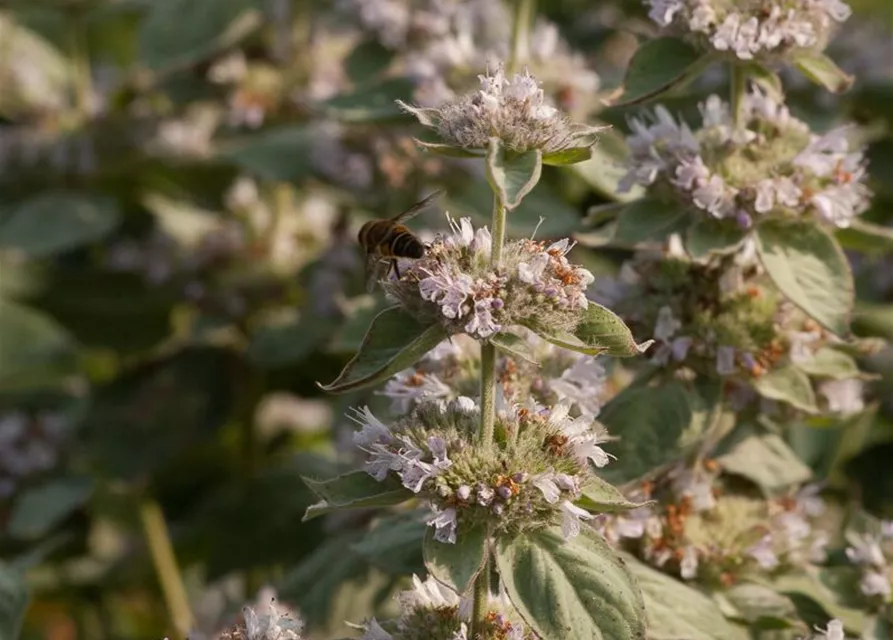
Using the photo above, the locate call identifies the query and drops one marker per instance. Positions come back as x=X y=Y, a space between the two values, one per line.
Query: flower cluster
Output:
x=531 y=479
x=451 y=370
x=454 y=284
x=275 y=624
x=767 y=164
x=430 y=611
x=511 y=109
x=762 y=29
x=873 y=554
x=723 y=319
x=699 y=532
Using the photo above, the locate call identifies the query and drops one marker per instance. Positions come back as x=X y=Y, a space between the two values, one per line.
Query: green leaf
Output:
x=457 y=565
x=54 y=222
x=809 y=267
x=599 y=496
x=807 y=587
x=283 y=153
x=181 y=32
x=649 y=220
x=41 y=508
x=448 y=150
x=765 y=459
x=373 y=102
x=822 y=70
x=355 y=490
x=652 y=425
x=709 y=236
x=368 y=59
x=789 y=385
x=512 y=175
x=13 y=601
x=676 y=611
x=514 y=346
x=395 y=341
x=600 y=331
x=394 y=544
x=658 y=66
x=830 y=363
x=604 y=170
x=570 y=590
x=568 y=156
x=33 y=347
x=866 y=237
x=756 y=603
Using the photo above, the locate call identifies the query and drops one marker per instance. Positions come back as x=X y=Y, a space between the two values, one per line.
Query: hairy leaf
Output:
x=570 y=590
x=675 y=610
x=789 y=385
x=512 y=175
x=514 y=346
x=600 y=331
x=649 y=220
x=38 y=509
x=457 y=565
x=599 y=496
x=355 y=490
x=709 y=236
x=808 y=266
x=395 y=341
x=830 y=363
x=822 y=70
x=765 y=459
x=658 y=66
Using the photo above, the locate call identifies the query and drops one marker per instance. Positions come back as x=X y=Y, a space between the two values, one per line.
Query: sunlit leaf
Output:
x=512 y=175
x=658 y=66
x=457 y=565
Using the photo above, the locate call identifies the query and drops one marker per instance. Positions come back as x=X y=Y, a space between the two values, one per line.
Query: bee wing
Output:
x=416 y=208
x=373 y=270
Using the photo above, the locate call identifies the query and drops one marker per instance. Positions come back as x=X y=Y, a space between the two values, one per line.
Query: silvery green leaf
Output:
x=512 y=175
x=395 y=341
x=40 y=508
x=649 y=220
x=790 y=385
x=764 y=458
x=576 y=589
x=822 y=70
x=600 y=496
x=658 y=66
x=457 y=565
x=808 y=266
x=355 y=490
x=600 y=331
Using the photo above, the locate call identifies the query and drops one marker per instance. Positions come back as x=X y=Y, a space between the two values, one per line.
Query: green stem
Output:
x=498 y=230
x=488 y=393
x=481 y=602
x=520 y=46
x=738 y=91
x=165 y=562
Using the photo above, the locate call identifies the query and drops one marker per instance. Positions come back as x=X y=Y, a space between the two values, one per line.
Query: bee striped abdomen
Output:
x=403 y=244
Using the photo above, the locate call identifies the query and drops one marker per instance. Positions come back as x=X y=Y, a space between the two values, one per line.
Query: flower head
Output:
x=753 y=28
x=767 y=164
x=513 y=109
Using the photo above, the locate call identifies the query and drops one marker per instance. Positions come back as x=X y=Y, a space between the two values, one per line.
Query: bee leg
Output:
x=395 y=268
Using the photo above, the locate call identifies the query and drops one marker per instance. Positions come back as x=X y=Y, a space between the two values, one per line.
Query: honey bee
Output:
x=386 y=240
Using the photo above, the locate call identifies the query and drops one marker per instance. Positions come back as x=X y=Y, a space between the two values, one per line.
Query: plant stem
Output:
x=80 y=55
x=524 y=12
x=480 y=604
x=738 y=91
x=498 y=230
x=488 y=393
x=165 y=562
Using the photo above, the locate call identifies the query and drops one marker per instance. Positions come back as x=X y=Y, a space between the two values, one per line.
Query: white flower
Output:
x=582 y=384
x=763 y=553
x=545 y=482
x=864 y=549
x=532 y=272
x=373 y=430
x=482 y=324
x=429 y=594
x=571 y=515
x=410 y=387
x=667 y=324
x=582 y=438
x=844 y=396
x=696 y=486
x=834 y=631
x=270 y=626
x=688 y=566
x=444 y=523
x=875 y=583
x=662 y=11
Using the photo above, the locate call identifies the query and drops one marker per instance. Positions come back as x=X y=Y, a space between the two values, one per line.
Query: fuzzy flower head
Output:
x=430 y=611
x=455 y=285
x=752 y=29
x=530 y=479
x=452 y=369
x=769 y=164
x=267 y=621
x=698 y=532
x=513 y=109
x=872 y=553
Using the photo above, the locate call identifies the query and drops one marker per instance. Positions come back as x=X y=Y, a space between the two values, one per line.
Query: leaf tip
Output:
x=642 y=348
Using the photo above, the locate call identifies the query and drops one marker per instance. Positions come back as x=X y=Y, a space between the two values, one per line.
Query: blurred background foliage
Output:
x=181 y=182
